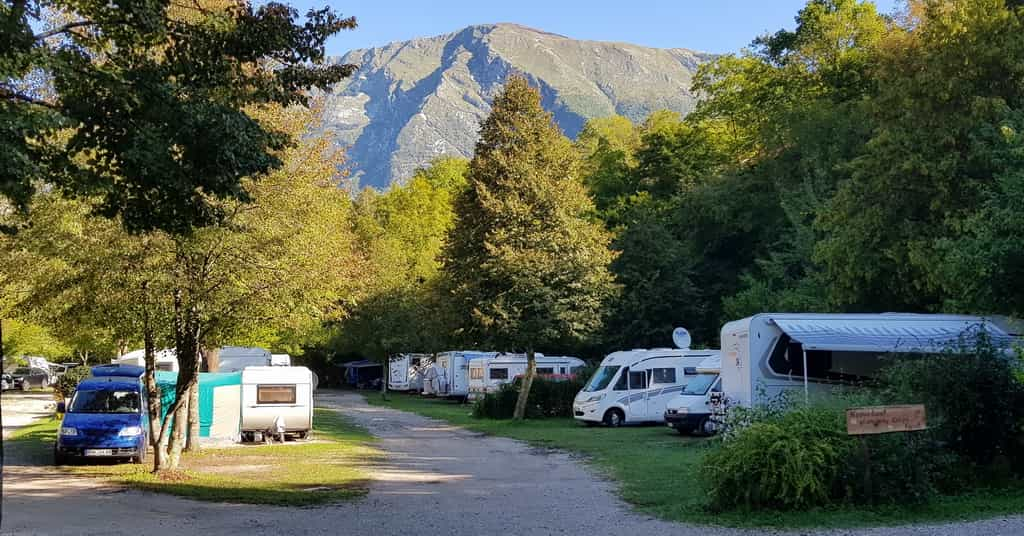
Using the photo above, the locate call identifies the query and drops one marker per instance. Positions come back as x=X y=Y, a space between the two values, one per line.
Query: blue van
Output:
x=107 y=417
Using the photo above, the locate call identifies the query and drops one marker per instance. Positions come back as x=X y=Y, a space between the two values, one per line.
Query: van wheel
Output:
x=614 y=418
x=58 y=457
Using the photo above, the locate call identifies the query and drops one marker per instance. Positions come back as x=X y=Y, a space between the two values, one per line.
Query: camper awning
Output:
x=360 y=364
x=921 y=335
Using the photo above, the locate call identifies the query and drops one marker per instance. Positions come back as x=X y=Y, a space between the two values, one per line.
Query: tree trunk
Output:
x=524 y=389
x=192 y=443
x=152 y=389
x=384 y=378
x=178 y=435
x=211 y=356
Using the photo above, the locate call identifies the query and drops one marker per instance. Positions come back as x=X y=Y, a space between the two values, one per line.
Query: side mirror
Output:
x=61 y=407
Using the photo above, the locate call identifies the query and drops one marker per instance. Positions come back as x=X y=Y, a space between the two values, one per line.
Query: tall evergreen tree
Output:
x=526 y=265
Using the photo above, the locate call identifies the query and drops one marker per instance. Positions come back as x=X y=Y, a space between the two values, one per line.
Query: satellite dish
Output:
x=681 y=338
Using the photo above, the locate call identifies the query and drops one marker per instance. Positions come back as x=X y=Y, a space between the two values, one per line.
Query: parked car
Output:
x=106 y=418
x=25 y=378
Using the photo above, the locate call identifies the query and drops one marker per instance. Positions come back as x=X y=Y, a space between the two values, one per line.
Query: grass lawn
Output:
x=328 y=469
x=656 y=471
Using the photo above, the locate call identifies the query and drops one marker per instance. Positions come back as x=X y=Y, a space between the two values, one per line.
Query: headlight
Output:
x=68 y=431
x=682 y=410
x=596 y=398
x=130 y=431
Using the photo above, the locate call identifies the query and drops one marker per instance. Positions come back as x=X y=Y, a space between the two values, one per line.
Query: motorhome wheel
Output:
x=614 y=417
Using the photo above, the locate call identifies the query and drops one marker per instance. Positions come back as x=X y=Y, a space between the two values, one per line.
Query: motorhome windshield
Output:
x=699 y=384
x=102 y=401
x=601 y=379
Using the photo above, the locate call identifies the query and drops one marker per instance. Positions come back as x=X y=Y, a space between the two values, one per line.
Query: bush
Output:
x=789 y=462
x=973 y=398
x=67 y=383
x=548 y=398
x=779 y=457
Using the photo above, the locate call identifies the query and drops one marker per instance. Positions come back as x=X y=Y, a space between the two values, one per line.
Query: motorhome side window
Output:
x=638 y=379
x=499 y=374
x=545 y=370
x=275 y=394
x=621 y=384
x=663 y=375
x=476 y=373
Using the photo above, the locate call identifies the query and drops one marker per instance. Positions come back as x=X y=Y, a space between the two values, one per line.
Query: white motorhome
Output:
x=405 y=372
x=693 y=409
x=767 y=354
x=272 y=395
x=237 y=358
x=633 y=386
x=448 y=375
x=487 y=375
x=166 y=359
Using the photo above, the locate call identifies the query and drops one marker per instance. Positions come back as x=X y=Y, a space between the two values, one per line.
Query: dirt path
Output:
x=437 y=480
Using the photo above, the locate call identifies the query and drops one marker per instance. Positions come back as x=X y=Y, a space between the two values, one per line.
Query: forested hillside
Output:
x=860 y=162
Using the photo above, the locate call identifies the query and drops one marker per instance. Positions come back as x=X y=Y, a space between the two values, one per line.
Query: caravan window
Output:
x=499 y=374
x=663 y=375
x=787 y=358
x=638 y=379
x=275 y=394
x=476 y=373
x=546 y=370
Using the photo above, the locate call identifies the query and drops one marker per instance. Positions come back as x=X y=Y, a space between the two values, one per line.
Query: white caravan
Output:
x=166 y=359
x=276 y=395
x=449 y=374
x=766 y=354
x=405 y=372
x=489 y=374
x=693 y=409
x=237 y=358
x=633 y=386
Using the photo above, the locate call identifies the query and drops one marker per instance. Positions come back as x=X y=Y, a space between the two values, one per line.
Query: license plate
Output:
x=99 y=452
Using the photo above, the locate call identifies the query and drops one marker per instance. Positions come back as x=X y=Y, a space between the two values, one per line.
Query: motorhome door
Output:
x=637 y=395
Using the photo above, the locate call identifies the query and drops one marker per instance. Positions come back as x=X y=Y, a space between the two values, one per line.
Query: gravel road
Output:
x=437 y=479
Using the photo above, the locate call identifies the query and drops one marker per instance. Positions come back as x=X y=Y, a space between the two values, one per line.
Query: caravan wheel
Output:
x=614 y=418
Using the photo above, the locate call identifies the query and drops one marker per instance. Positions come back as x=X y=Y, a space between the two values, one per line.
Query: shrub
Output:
x=548 y=398
x=67 y=383
x=789 y=462
x=974 y=399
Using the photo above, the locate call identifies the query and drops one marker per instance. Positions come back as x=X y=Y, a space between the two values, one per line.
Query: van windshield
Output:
x=601 y=378
x=100 y=401
x=699 y=384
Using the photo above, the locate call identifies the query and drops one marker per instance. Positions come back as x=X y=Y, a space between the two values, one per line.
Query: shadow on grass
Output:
x=32 y=445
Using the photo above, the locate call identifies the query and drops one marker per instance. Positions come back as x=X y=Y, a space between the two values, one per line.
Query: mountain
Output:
x=413 y=101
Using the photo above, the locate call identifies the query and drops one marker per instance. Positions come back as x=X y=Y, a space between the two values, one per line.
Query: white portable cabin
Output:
x=166 y=359
x=270 y=393
x=449 y=374
x=766 y=354
x=693 y=409
x=405 y=372
x=487 y=375
x=237 y=358
x=634 y=385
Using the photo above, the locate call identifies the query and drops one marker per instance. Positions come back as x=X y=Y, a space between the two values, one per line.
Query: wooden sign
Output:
x=885 y=419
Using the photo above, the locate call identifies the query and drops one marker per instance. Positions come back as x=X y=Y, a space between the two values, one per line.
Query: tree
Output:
x=526 y=265
x=401 y=234
x=157 y=132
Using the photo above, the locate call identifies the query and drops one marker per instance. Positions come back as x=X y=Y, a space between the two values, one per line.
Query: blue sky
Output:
x=707 y=25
